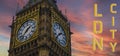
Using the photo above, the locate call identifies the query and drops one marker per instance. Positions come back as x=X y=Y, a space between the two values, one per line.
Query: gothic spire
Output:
x=31 y=2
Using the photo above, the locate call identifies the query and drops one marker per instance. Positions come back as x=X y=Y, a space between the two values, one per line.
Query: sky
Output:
x=80 y=13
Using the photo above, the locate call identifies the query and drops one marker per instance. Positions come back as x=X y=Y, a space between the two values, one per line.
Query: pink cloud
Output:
x=22 y=2
x=4 y=24
x=81 y=42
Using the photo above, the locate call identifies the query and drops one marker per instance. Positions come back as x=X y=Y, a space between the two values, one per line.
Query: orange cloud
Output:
x=82 y=40
x=4 y=43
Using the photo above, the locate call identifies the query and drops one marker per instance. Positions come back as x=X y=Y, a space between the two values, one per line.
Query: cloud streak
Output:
x=82 y=28
x=80 y=14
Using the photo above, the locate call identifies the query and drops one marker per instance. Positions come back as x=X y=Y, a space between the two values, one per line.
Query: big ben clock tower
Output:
x=40 y=29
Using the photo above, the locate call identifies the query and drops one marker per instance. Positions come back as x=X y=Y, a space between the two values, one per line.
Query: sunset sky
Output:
x=80 y=14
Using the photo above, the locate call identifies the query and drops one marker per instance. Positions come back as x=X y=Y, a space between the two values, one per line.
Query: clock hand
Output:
x=26 y=30
x=58 y=35
x=21 y=37
x=23 y=32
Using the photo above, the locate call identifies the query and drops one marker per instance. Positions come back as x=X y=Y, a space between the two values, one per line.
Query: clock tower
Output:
x=40 y=29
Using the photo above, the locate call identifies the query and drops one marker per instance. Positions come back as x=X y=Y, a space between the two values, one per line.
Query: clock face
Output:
x=59 y=34
x=26 y=30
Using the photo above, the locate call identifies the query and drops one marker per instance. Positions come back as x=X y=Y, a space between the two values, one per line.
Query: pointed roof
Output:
x=32 y=2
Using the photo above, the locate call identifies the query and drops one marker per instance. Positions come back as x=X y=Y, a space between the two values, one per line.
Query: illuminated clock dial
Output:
x=59 y=34
x=26 y=30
